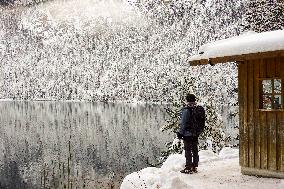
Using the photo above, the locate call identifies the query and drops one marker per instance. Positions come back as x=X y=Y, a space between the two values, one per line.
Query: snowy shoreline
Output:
x=220 y=171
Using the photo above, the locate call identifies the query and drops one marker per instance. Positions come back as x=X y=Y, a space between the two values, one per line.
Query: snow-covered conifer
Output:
x=263 y=15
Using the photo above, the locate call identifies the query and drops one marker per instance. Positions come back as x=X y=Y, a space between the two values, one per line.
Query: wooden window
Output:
x=271 y=94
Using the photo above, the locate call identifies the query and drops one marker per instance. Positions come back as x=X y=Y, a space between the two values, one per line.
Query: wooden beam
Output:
x=262 y=172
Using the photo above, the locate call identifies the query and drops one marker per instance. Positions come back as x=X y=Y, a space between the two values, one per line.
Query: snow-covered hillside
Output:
x=112 y=50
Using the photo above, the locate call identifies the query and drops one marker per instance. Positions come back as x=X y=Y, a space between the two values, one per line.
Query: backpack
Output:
x=196 y=123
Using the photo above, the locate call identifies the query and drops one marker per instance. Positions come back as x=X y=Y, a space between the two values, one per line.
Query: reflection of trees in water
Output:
x=21 y=2
x=107 y=140
x=10 y=177
x=6 y=2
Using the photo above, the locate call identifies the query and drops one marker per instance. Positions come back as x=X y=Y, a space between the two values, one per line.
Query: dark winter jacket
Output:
x=186 y=121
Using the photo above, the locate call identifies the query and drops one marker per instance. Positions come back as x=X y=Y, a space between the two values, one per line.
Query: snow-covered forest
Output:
x=123 y=50
x=118 y=50
x=112 y=50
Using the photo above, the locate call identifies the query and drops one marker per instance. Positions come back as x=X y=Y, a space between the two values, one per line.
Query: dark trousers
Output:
x=191 y=151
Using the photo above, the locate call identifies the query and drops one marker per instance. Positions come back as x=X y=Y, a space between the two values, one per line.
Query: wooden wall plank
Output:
x=277 y=67
x=256 y=114
x=241 y=111
x=281 y=120
x=262 y=125
x=242 y=72
x=271 y=125
x=278 y=121
x=245 y=115
x=270 y=67
x=281 y=59
x=279 y=146
x=262 y=71
x=281 y=134
x=263 y=142
x=250 y=112
x=271 y=121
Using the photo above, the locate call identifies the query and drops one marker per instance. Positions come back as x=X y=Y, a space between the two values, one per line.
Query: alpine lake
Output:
x=51 y=144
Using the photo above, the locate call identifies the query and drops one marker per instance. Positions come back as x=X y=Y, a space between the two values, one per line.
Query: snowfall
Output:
x=220 y=171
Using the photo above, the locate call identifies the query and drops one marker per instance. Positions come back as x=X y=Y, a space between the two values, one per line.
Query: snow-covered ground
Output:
x=215 y=171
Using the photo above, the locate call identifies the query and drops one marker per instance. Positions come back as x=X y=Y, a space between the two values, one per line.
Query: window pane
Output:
x=277 y=102
x=267 y=86
x=277 y=85
x=267 y=102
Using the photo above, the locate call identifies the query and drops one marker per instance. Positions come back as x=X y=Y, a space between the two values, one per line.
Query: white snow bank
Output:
x=215 y=171
x=247 y=43
x=227 y=153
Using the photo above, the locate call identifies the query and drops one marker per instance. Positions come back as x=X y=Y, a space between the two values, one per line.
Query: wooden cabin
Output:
x=260 y=58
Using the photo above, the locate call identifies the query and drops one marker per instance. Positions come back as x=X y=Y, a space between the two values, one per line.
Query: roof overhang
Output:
x=240 y=48
x=237 y=58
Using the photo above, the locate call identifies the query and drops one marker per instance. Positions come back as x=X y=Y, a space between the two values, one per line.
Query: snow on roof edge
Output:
x=246 y=43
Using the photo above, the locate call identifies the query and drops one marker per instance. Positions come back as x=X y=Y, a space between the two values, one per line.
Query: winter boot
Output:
x=187 y=170
x=194 y=169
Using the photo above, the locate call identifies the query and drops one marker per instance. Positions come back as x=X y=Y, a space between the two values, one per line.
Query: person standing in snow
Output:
x=192 y=123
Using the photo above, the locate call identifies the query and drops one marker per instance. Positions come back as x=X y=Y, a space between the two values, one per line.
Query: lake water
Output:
x=76 y=144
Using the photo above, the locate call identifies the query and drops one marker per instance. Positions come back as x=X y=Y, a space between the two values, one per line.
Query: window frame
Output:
x=273 y=94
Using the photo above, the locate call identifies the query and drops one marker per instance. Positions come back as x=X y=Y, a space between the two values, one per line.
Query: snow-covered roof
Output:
x=245 y=44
